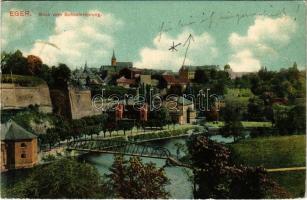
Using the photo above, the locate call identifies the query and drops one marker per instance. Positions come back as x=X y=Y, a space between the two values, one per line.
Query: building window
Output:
x=23 y=155
x=23 y=145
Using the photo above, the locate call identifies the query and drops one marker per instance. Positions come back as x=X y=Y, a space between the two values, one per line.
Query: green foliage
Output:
x=51 y=137
x=64 y=129
x=61 y=75
x=254 y=183
x=160 y=134
x=214 y=79
x=135 y=180
x=14 y=63
x=65 y=178
x=25 y=118
x=271 y=152
x=215 y=176
x=232 y=121
x=287 y=83
x=297 y=117
x=112 y=90
x=49 y=158
x=159 y=118
x=276 y=152
x=21 y=80
x=125 y=125
x=292 y=181
x=255 y=109
x=17 y=64
x=290 y=119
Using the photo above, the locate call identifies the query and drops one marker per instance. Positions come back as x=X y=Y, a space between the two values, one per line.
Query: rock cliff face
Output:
x=73 y=103
x=14 y=96
x=81 y=103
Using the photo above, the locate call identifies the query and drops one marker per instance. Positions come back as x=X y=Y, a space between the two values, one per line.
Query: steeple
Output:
x=85 y=66
x=113 y=56
x=113 y=60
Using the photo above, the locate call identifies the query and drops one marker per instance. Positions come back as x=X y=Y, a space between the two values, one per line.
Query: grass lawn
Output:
x=246 y=124
x=293 y=182
x=276 y=152
x=272 y=152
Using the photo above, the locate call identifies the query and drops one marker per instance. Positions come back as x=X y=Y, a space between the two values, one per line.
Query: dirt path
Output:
x=286 y=169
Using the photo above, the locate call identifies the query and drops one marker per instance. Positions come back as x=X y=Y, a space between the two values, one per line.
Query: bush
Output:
x=49 y=158
x=160 y=134
x=22 y=80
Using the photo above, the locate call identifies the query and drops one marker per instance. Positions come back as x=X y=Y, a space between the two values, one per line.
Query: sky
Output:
x=246 y=35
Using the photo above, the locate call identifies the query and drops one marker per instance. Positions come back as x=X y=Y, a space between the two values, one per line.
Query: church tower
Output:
x=113 y=60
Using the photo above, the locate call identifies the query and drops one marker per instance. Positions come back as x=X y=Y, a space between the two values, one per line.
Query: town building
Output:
x=170 y=80
x=87 y=77
x=126 y=110
x=125 y=82
x=181 y=110
x=234 y=75
x=18 y=147
x=131 y=73
x=148 y=80
x=129 y=111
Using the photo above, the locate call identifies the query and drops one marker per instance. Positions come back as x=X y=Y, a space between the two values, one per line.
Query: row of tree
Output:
x=105 y=123
x=287 y=83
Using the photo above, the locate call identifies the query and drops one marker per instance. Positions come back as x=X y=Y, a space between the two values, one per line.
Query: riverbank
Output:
x=139 y=137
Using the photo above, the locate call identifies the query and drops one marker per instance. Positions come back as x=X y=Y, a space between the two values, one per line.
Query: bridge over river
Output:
x=125 y=148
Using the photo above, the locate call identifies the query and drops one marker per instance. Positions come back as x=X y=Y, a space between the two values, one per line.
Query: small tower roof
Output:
x=113 y=56
x=12 y=131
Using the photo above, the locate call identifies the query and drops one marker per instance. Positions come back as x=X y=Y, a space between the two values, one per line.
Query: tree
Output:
x=14 y=63
x=51 y=137
x=227 y=67
x=65 y=178
x=253 y=183
x=159 y=118
x=125 y=125
x=201 y=76
x=297 y=117
x=215 y=175
x=255 y=109
x=135 y=180
x=281 y=118
x=34 y=64
x=231 y=114
x=163 y=116
x=210 y=160
x=61 y=75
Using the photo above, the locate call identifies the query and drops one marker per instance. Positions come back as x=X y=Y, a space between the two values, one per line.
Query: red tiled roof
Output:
x=279 y=101
x=172 y=80
x=125 y=80
x=136 y=70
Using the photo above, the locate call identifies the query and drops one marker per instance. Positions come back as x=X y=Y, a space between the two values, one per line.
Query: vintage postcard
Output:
x=153 y=99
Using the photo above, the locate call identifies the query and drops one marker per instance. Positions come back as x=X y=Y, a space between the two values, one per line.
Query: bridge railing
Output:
x=119 y=147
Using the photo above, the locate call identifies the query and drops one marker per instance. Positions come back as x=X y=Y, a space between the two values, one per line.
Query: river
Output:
x=180 y=187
